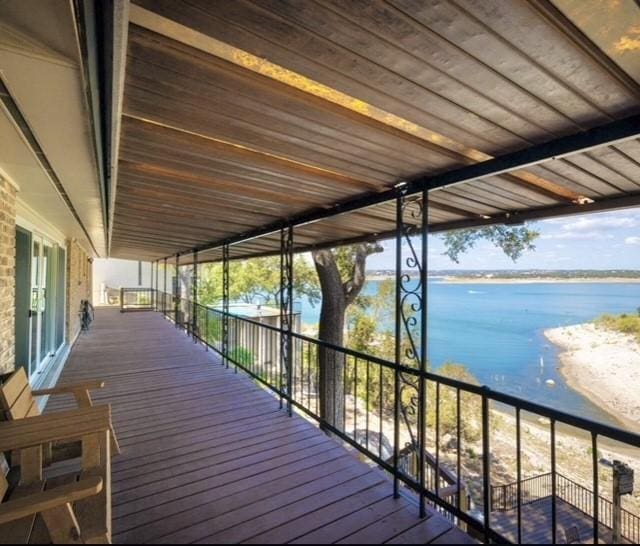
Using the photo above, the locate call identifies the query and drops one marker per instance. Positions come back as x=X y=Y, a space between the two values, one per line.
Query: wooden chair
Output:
x=70 y=509
x=17 y=402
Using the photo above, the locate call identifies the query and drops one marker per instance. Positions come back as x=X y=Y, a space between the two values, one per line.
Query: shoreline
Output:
x=520 y=280
x=539 y=280
x=603 y=366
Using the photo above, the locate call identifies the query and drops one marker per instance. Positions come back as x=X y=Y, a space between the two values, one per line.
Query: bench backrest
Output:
x=16 y=400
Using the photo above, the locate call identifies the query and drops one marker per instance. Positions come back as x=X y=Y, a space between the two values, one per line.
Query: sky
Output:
x=609 y=240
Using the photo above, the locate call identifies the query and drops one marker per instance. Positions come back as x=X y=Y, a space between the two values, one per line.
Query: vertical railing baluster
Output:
x=206 y=328
x=343 y=427
x=157 y=292
x=366 y=402
x=309 y=376
x=225 y=305
x=596 y=488
x=422 y=386
x=458 y=448
x=164 y=295
x=355 y=398
x=176 y=291
x=486 y=465
x=519 y=474
x=554 y=522
x=437 y=470
x=380 y=408
x=194 y=327
x=398 y=351
x=152 y=277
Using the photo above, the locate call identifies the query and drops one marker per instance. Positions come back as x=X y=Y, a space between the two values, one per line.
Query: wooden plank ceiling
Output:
x=240 y=113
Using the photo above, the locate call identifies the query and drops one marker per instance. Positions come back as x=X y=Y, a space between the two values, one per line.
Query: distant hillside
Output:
x=521 y=274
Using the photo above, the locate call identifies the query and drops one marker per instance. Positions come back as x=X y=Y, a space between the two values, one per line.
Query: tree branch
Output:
x=353 y=286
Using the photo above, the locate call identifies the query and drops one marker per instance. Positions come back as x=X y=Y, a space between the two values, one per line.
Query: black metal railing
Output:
x=360 y=409
x=137 y=299
x=505 y=498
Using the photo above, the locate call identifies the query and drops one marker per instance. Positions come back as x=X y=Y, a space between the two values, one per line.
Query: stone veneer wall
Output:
x=78 y=286
x=7 y=275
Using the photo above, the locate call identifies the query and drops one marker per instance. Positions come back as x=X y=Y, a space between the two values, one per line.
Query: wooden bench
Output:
x=17 y=401
x=70 y=509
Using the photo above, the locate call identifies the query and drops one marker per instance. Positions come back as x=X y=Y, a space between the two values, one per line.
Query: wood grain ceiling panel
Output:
x=310 y=104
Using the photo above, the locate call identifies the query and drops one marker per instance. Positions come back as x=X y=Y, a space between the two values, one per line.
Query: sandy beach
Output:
x=539 y=280
x=604 y=366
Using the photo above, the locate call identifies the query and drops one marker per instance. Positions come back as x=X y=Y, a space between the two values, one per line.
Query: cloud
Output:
x=596 y=221
x=603 y=222
x=632 y=241
x=591 y=228
x=578 y=235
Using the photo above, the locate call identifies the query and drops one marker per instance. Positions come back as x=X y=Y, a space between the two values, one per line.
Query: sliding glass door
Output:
x=35 y=315
x=45 y=325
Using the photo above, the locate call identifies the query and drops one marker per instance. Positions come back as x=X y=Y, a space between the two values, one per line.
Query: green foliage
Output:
x=626 y=324
x=512 y=240
x=214 y=328
x=362 y=330
x=470 y=405
x=377 y=386
x=242 y=355
x=256 y=278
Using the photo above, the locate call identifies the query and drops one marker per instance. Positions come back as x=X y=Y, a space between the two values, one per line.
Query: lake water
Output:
x=496 y=331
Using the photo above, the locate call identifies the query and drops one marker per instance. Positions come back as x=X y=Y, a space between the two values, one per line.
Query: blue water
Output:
x=496 y=331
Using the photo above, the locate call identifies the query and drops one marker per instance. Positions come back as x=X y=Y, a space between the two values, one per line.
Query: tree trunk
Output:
x=336 y=297
x=331 y=330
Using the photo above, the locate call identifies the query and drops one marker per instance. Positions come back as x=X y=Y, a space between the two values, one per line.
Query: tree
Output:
x=256 y=278
x=342 y=274
x=512 y=240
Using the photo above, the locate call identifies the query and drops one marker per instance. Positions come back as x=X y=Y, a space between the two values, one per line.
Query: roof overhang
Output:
x=240 y=118
x=49 y=145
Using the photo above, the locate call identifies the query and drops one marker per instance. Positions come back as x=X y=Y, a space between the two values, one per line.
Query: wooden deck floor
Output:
x=537 y=526
x=208 y=456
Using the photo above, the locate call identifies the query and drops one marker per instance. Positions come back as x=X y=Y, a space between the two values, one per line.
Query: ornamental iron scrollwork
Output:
x=410 y=302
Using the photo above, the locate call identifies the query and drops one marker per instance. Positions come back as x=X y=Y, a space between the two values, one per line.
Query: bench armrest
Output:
x=48 y=500
x=54 y=427
x=70 y=389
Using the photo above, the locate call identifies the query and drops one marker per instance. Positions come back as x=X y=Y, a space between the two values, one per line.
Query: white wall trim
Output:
x=5 y=176
x=120 y=40
x=28 y=218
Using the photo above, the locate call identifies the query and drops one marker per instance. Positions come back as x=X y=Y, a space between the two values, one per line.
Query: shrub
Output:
x=627 y=324
x=242 y=355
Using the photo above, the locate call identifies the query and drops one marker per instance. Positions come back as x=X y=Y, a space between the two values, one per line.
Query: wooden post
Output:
x=622 y=485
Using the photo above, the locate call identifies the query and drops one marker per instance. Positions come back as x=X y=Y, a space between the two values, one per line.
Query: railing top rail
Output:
x=601 y=429
x=137 y=289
